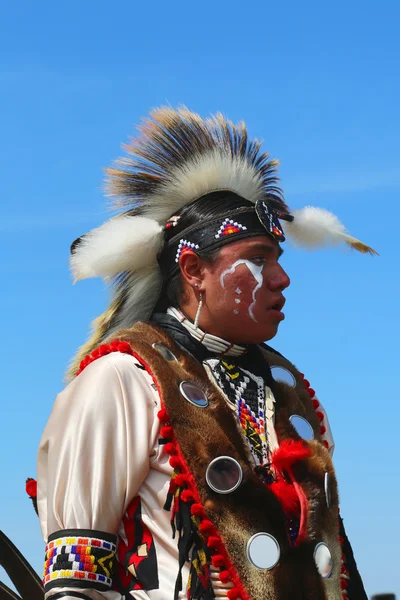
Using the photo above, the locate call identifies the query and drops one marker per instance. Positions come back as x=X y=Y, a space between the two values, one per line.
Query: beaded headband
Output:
x=241 y=223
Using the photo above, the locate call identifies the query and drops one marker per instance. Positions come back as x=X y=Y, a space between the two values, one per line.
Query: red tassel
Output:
x=234 y=594
x=306 y=383
x=197 y=510
x=320 y=415
x=187 y=496
x=322 y=429
x=175 y=462
x=289 y=452
x=217 y=561
x=180 y=480
x=214 y=542
x=31 y=487
x=206 y=526
x=224 y=576
x=162 y=415
x=326 y=444
x=311 y=392
x=166 y=431
x=287 y=496
x=170 y=448
x=344 y=584
x=124 y=347
x=315 y=403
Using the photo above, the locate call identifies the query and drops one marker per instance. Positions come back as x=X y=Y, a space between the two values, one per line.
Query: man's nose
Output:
x=279 y=281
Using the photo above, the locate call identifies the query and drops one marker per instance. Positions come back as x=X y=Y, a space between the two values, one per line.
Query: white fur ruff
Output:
x=204 y=174
x=121 y=244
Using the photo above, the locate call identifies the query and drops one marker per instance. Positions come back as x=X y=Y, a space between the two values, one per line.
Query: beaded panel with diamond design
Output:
x=246 y=392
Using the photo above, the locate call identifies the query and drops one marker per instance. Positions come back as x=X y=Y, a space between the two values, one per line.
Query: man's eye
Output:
x=258 y=260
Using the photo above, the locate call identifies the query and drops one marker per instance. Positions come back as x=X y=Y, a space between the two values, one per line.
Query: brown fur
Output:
x=204 y=434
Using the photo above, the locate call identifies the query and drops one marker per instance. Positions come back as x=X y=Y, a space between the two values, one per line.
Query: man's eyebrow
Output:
x=266 y=248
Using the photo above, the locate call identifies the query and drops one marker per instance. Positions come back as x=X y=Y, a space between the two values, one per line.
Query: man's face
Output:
x=243 y=290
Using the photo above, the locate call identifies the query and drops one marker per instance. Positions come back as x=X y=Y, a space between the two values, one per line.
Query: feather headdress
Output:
x=177 y=158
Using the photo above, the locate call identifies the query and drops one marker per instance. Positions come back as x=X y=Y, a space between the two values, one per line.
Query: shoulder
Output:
x=110 y=380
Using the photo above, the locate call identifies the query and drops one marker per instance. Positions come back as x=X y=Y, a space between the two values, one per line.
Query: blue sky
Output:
x=319 y=83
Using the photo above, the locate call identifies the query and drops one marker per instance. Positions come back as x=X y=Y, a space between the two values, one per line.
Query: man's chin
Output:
x=269 y=332
x=263 y=334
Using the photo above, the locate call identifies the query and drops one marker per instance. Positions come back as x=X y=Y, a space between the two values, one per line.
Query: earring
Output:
x=200 y=306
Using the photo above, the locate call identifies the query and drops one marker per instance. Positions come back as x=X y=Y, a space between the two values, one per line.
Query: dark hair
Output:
x=211 y=206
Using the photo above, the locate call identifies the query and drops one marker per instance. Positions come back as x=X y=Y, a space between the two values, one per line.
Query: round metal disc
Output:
x=193 y=394
x=263 y=551
x=224 y=474
x=302 y=427
x=282 y=375
x=164 y=351
x=323 y=560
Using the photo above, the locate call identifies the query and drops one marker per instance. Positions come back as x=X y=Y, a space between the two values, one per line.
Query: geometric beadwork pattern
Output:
x=247 y=392
x=79 y=558
x=228 y=227
x=184 y=246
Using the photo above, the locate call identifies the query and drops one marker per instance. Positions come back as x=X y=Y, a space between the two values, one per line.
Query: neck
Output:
x=211 y=342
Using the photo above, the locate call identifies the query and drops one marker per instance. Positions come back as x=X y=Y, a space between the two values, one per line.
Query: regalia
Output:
x=177 y=464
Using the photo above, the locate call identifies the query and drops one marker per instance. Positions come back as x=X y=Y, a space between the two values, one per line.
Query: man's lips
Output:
x=278 y=304
x=275 y=310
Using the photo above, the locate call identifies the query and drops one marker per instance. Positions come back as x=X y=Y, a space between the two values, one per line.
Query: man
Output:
x=186 y=459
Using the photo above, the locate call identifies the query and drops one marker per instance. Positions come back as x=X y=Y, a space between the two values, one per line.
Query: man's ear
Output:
x=191 y=266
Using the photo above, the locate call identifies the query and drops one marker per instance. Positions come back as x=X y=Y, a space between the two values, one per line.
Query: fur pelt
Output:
x=204 y=434
x=116 y=246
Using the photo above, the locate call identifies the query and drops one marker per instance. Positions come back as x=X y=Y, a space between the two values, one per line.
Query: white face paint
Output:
x=255 y=270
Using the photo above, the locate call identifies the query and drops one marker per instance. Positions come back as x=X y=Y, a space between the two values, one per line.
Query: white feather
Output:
x=314 y=227
x=121 y=244
x=204 y=174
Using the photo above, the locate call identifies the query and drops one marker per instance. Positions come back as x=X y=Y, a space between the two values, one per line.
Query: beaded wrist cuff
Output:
x=79 y=558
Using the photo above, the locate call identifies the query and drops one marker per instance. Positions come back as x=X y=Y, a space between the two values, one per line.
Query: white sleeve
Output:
x=95 y=451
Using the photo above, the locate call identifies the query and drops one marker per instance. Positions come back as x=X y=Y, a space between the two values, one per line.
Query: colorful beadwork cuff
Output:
x=79 y=558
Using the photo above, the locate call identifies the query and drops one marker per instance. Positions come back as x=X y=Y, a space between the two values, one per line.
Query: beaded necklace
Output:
x=211 y=342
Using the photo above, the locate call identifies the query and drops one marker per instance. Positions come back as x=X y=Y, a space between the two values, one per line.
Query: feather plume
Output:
x=179 y=157
x=121 y=244
x=315 y=227
x=133 y=301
